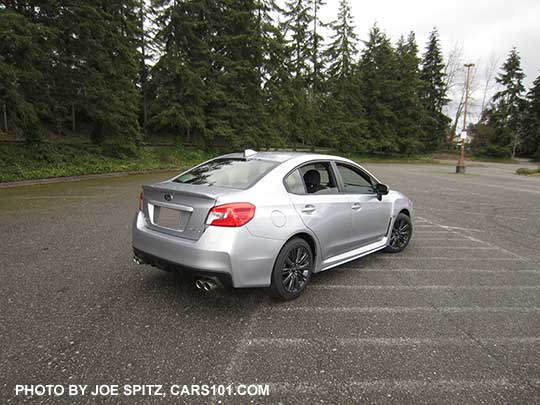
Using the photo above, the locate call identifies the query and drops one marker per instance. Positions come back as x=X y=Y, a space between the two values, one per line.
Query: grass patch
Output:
x=21 y=162
x=426 y=159
x=452 y=156
x=526 y=171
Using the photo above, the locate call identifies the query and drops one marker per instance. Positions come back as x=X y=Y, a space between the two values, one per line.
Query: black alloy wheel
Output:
x=292 y=270
x=400 y=235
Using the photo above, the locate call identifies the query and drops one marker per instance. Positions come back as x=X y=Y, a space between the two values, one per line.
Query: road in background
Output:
x=454 y=318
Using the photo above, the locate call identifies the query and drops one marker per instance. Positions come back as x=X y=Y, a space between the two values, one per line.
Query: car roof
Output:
x=282 y=156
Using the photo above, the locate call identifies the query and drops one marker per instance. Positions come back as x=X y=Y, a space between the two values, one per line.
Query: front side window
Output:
x=354 y=181
x=228 y=173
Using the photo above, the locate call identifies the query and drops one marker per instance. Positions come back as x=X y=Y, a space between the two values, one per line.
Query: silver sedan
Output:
x=268 y=219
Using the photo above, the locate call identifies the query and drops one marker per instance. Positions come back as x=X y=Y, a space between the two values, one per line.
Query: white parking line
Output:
x=434 y=232
x=436 y=238
x=423 y=257
x=401 y=310
x=459 y=247
x=424 y=287
x=453 y=229
x=481 y=214
x=379 y=270
x=517 y=340
x=408 y=386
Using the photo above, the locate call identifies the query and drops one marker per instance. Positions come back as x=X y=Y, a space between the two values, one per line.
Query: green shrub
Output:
x=27 y=162
x=525 y=171
x=493 y=151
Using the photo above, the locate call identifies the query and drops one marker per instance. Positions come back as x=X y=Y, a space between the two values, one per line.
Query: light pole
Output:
x=460 y=167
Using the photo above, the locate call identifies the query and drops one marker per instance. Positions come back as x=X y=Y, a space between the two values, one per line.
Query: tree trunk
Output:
x=5 y=119
x=73 y=128
x=516 y=142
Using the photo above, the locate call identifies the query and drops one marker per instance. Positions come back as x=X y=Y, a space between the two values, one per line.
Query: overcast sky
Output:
x=481 y=27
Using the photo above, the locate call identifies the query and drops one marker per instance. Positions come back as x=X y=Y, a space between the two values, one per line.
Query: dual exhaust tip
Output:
x=137 y=260
x=206 y=284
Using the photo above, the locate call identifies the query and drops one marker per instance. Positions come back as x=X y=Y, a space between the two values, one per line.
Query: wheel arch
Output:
x=310 y=241
x=405 y=211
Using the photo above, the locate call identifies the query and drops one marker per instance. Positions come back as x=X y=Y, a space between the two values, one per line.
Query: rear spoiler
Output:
x=171 y=187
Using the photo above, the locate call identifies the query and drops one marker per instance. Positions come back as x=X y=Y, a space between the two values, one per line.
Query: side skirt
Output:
x=353 y=254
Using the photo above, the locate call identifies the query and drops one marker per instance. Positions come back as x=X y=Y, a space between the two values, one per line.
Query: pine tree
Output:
x=342 y=50
x=180 y=86
x=297 y=28
x=498 y=131
x=411 y=111
x=531 y=122
x=343 y=108
x=316 y=43
x=95 y=72
x=240 y=112
x=378 y=70
x=297 y=23
x=509 y=102
x=433 y=94
x=273 y=75
x=24 y=57
x=315 y=97
x=145 y=55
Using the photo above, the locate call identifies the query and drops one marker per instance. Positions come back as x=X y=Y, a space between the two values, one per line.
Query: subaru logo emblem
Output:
x=168 y=197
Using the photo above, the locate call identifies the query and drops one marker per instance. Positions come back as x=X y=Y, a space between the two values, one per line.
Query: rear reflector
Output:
x=231 y=215
x=141 y=196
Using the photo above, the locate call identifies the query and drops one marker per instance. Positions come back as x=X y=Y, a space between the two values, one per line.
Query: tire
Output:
x=401 y=234
x=292 y=270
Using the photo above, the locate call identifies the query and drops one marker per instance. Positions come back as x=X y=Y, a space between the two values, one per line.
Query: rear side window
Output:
x=228 y=173
x=354 y=181
x=313 y=178
x=294 y=183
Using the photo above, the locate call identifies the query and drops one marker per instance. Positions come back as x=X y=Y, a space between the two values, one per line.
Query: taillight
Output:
x=141 y=196
x=232 y=215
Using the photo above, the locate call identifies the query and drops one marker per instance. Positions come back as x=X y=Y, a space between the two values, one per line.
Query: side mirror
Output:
x=381 y=189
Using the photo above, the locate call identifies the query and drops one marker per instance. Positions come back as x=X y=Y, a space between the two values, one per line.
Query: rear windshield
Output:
x=228 y=173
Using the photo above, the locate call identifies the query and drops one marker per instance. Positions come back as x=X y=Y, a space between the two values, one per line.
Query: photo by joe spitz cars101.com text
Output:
x=268 y=219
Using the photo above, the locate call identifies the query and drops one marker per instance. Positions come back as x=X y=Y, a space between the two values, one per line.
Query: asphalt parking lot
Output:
x=455 y=318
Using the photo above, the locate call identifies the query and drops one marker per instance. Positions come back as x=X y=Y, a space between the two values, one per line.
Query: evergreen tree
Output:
x=433 y=94
x=531 y=122
x=316 y=44
x=239 y=114
x=297 y=23
x=24 y=56
x=315 y=97
x=410 y=109
x=378 y=70
x=145 y=56
x=345 y=123
x=96 y=68
x=273 y=75
x=343 y=49
x=297 y=28
x=181 y=86
x=509 y=103
x=497 y=134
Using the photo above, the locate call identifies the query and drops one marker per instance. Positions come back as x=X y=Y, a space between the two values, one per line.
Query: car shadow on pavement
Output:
x=180 y=288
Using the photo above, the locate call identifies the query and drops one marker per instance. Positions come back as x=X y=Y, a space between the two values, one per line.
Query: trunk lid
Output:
x=179 y=209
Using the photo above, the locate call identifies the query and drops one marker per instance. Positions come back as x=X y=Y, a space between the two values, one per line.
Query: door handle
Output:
x=308 y=209
x=356 y=206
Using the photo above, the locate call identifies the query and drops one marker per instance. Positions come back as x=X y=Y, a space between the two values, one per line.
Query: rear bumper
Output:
x=228 y=253
x=146 y=258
